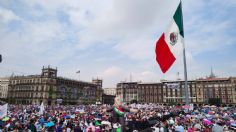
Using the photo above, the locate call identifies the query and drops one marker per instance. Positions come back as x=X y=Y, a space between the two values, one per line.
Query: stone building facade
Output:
x=127 y=91
x=223 y=88
x=200 y=91
x=109 y=91
x=4 y=83
x=99 y=90
x=51 y=89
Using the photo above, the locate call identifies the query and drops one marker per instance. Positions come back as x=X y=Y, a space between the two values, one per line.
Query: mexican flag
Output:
x=170 y=43
x=119 y=111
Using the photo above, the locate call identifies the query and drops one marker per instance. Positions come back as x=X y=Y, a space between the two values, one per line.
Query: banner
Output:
x=75 y=93
x=62 y=90
x=79 y=110
x=59 y=101
x=173 y=85
x=3 y=110
x=41 y=110
x=191 y=107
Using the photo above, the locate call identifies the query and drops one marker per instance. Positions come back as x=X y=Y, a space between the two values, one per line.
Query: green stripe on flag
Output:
x=120 y=113
x=118 y=130
x=178 y=17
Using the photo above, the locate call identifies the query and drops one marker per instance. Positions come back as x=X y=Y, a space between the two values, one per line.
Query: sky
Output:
x=114 y=40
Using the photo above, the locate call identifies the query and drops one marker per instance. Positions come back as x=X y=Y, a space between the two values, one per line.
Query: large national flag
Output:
x=3 y=110
x=170 y=43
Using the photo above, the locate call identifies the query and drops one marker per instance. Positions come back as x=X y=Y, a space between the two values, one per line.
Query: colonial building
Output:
x=4 y=83
x=222 y=88
x=201 y=91
x=109 y=91
x=99 y=91
x=49 y=88
x=177 y=94
x=150 y=92
x=127 y=91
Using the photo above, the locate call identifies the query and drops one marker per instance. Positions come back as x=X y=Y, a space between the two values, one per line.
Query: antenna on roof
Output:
x=212 y=75
x=130 y=77
x=178 y=78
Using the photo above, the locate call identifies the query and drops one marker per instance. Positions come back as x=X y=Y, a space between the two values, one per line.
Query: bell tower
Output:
x=49 y=72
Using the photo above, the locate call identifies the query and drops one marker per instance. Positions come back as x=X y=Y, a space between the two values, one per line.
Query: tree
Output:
x=50 y=92
x=214 y=101
x=134 y=101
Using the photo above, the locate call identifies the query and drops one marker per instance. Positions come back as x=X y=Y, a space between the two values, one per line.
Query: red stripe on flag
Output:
x=164 y=56
x=120 y=109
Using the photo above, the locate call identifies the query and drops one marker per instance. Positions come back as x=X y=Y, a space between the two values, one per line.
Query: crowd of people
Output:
x=99 y=118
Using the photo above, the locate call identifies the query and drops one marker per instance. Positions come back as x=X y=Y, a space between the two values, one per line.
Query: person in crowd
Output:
x=118 y=113
x=132 y=117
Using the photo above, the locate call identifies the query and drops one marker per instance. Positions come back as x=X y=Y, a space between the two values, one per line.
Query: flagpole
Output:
x=185 y=77
x=185 y=67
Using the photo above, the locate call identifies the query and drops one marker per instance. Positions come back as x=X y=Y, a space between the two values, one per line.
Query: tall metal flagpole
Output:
x=185 y=67
x=185 y=77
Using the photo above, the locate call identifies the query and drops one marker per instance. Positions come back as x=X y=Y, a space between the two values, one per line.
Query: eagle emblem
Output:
x=173 y=38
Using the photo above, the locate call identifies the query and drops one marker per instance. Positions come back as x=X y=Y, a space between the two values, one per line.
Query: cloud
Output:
x=147 y=76
x=138 y=49
x=207 y=37
x=121 y=20
x=111 y=72
x=111 y=76
x=113 y=34
x=7 y=15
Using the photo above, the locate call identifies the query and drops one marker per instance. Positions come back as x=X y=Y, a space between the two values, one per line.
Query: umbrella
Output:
x=91 y=128
x=207 y=122
x=210 y=112
x=49 y=124
x=226 y=118
x=186 y=107
x=233 y=124
x=72 y=116
x=118 y=130
x=41 y=120
x=67 y=117
x=233 y=115
x=171 y=122
x=179 y=128
x=208 y=116
x=188 y=116
x=97 y=123
x=2 y=123
x=5 y=119
x=106 y=123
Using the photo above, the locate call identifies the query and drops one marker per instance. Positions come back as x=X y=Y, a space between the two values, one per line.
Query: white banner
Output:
x=191 y=107
x=79 y=110
x=41 y=110
x=172 y=85
x=3 y=110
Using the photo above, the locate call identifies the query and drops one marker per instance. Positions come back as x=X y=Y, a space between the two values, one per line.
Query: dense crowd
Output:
x=93 y=118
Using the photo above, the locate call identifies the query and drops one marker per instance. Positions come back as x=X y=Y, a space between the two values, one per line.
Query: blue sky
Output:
x=111 y=39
